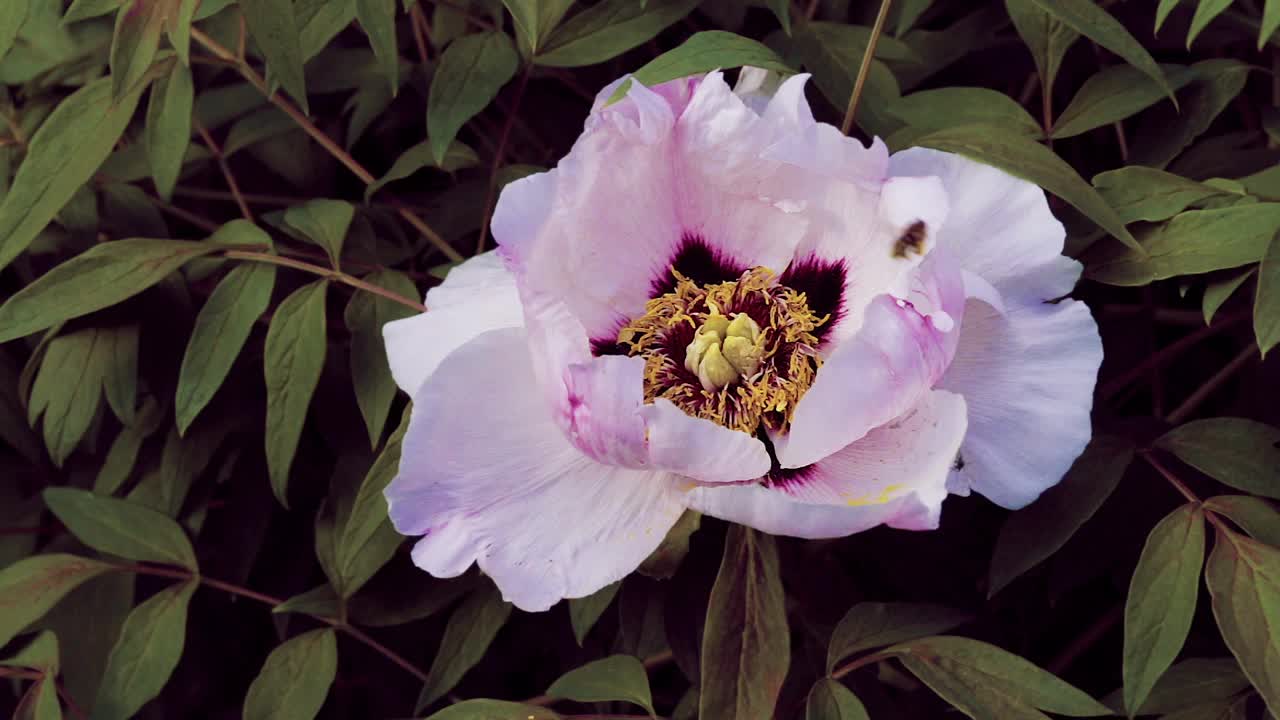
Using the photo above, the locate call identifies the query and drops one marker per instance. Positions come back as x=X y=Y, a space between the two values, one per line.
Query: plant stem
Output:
x=860 y=662
x=865 y=68
x=272 y=601
x=1188 y=406
x=1182 y=488
x=216 y=149
x=498 y=156
x=323 y=140
x=324 y=272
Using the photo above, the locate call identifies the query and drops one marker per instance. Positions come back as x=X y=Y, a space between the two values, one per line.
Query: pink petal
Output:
x=477 y=296
x=649 y=172
x=903 y=347
x=488 y=478
x=895 y=475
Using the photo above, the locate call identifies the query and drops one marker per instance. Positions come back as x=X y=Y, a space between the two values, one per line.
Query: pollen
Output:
x=740 y=353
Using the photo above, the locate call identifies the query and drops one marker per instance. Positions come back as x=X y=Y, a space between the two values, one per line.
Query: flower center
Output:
x=740 y=353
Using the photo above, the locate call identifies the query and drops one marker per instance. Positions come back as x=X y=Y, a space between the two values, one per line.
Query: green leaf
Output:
x=1244 y=581
x=168 y=131
x=1144 y=193
x=1196 y=241
x=11 y=22
x=320 y=601
x=870 y=625
x=255 y=127
x=1258 y=517
x=1217 y=82
x=746 y=646
x=135 y=42
x=100 y=277
x=1206 y=11
x=1047 y=37
x=1086 y=18
x=364 y=539
x=391 y=606
x=1190 y=683
x=833 y=52
x=40 y=702
x=293 y=358
x=365 y=316
x=534 y=20
x=1163 y=10
x=1218 y=292
x=85 y=9
x=222 y=327
x=947 y=107
x=471 y=629
x=1270 y=21
x=63 y=154
x=663 y=562
x=909 y=13
x=1161 y=601
x=829 y=700
x=29 y=587
x=471 y=72
x=39 y=654
x=145 y=654
x=1115 y=94
x=378 y=18
x=585 y=611
x=1237 y=452
x=494 y=710
x=706 y=51
x=274 y=26
x=608 y=29
x=987 y=683
x=178 y=28
x=119 y=527
x=324 y=222
x=1032 y=161
x=295 y=679
x=617 y=677
x=1033 y=534
x=457 y=157
x=1266 y=308
x=319 y=22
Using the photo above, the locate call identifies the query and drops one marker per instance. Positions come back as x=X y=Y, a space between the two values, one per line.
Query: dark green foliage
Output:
x=210 y=208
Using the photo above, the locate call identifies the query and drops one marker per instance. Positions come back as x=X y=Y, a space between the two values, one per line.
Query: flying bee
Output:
x=911 y=241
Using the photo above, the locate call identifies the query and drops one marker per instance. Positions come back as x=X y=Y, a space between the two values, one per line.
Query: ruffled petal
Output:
x=1028 y=376
x=999 y=227
x=488 y=478
x=895 y=475
x=1026 y=367
x=599 y=404
x=650 y=172
x=477 y=296
x=903 y=347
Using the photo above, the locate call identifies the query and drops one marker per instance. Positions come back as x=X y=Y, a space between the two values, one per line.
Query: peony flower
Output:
x=716 y=302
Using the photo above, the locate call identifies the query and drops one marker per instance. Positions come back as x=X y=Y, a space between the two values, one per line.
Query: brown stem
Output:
x=1086 y=640
x=1182 y=488
x=216 y=150
x=418 y=22
x=1166 y=354
x=322 y=139
x=71 y=704
x=867 y=58
x=1183 y=411
x=272 y=601
x=185 y=215
x=498 y=157
x=324 y=272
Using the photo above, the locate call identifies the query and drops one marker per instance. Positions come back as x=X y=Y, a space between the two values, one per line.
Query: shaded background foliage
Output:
x=211 y=207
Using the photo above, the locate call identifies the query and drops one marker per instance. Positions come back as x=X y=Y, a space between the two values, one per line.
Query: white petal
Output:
x=477 y=296
x=1028 y=376
x=999 y=226
x=895 y=475
x=487 y=477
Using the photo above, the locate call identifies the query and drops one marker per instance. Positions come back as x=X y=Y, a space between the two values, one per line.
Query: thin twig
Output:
x=1086 y=640
x=498 y=157
x=324 y=272
x=418 y=22
x=341 y=155
x=1188 y=406
x=867 y=58
x=204 y=224
x=71 y=704
x=1167 y=354
x=860 y=662
x=216 y=150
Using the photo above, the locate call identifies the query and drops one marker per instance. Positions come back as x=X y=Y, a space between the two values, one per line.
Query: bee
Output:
x=911 y=241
